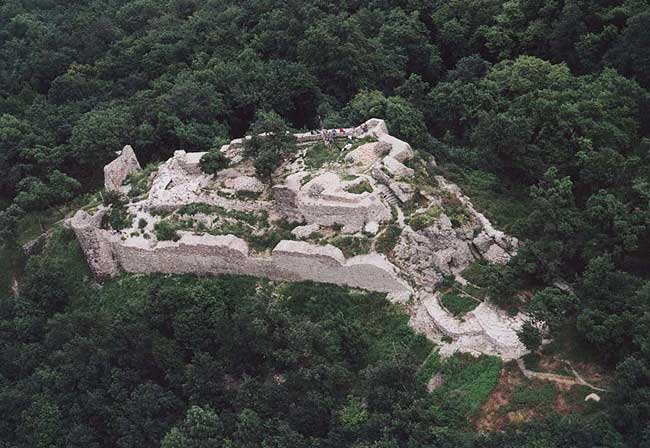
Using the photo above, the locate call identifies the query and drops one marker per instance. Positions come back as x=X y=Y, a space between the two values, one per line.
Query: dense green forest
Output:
x=538 y=109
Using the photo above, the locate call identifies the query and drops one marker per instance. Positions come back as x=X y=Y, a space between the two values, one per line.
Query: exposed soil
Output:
x=497 y=412
x=491 y=418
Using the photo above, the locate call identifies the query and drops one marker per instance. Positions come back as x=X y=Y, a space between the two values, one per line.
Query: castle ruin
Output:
x=326 y=222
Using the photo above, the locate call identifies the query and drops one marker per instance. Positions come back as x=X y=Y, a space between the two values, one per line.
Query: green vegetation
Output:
x=249 y=218
x=351 y=245
x=11 y=263
x=270 y=143
x=506 y=206
x=430 y=366
x=199 y=207
x=166 y=231
x=318 y=155
x=543 y=104
x=280 y=230
x=360 y=187
x=455 y=210
x=388 y=239
x=419 y=221
x=117 y=218
x=536 y=395
x=140 y=181
x=213 y=161
x=468 y=382
x=458 y=303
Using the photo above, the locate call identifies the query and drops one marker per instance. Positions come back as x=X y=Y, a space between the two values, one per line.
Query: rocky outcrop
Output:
x=304 y=232
x=434 y=251
x=116 y=172
x=494 y=245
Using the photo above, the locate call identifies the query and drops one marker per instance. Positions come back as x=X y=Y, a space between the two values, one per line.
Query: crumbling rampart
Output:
x=227 y=254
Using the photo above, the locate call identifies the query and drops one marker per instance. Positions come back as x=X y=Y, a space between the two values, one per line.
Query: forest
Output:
x=538 y=109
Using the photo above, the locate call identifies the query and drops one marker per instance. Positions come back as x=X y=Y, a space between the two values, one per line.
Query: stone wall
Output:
x=95 y=243
x=116 y=172
x=227 y=254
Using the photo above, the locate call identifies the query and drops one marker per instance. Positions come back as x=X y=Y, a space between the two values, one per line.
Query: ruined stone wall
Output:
x=353 y=215
x=227 y=254
x=327 y=264
x=116 y=172
x=285 y=201
x=95 y=243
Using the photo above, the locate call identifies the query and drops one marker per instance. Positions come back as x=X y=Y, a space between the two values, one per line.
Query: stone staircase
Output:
x=388 y=196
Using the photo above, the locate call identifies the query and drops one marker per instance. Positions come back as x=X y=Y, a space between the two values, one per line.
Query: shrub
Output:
x=352 y=246
x=387 y=241
x=359 y=188
x=198 y=207
x=421 y=221
x=166 y=231
x=142 y=223
x=455 y=210
x=213 y=161
x=140 y=180
x=117 y=218
x=112 y=198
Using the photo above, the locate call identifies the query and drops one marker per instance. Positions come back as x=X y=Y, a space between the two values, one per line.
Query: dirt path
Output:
x=14 y=286
x=577 y=380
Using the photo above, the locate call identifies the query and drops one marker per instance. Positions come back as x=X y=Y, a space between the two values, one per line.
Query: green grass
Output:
x=33 y=224
x=468 y=382
x=206 y=209
x=534 y=395
x=362 y=141
x=431 y=365
x=319 y=154
x=475 y=273
x=458 y=304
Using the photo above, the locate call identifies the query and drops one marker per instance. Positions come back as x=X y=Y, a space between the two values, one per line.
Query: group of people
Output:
x=331 y=134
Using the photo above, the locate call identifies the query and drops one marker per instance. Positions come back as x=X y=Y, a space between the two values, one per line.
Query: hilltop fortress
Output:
x=366 y=213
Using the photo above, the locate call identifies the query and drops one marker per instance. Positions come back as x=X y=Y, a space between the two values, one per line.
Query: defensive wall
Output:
x=206 y=254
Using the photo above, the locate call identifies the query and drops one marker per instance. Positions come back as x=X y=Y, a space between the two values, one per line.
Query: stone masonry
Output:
x=322 y=200
x=116 y=172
